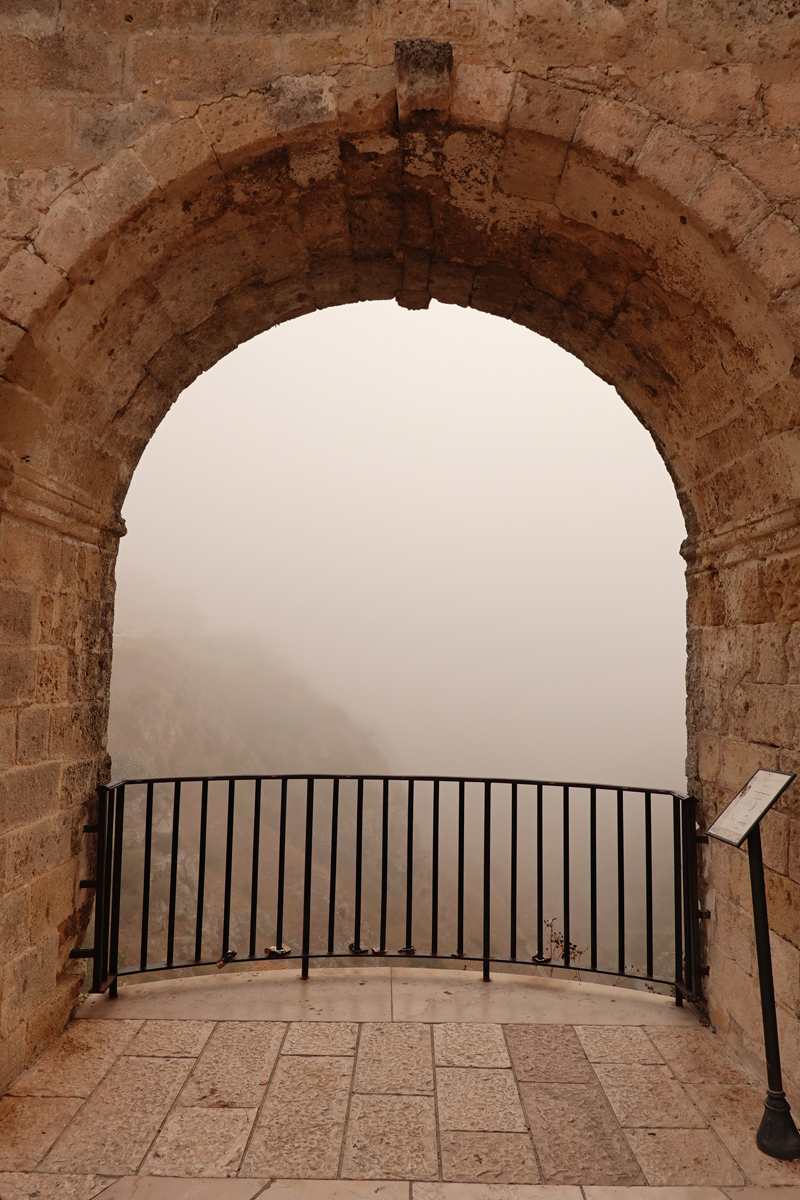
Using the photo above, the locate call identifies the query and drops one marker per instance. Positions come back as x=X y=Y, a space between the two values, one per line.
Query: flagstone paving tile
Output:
x=697 y=1056
x=338 y=1189
x=28 y=1127
x=394 y=1059
x=78 y=1060
x=492 y=1191
x=675 y=1157
x=548 y=1054
x=391 y=1137
x=113 y=1131
x=488 y=1158
x=234 y=1068
x=667 y=1193
x=321 y=1037
x=200 y=1141
x=18 y=1186
x=576 y=1135
x=734 y=1113
x=761 y=1193
x=464 y=1044
x=299 y=1131
x=172 y=1039
x=617 y=1044
x=473 y=1099
x=647 y=1097
x=159 y=1187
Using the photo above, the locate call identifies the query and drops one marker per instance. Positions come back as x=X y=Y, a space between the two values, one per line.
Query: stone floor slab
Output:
x=623 y=1044
x=463 y=1044
x=339 y=1189
x=335 y=1038
x=77 y=1061
x=734 y=1113
x=234 y=1069
x=647 y=1097
x=492 y=1191
x=477 y=1100
x=548 y=1054
x=394 y=1059
x=646 y=1193
x=762 y=1193
x=355 y=994
x=698 y=1056
x=28 y=1127
x=423 y=995
x=391 y=1137
x=488 y=1158
x=200 y=1141
x=299 y=1131
x=154 y=1187
x=576 y=1135
x=683 y=1157
x=19 y=1186
x=172 y=1039
x=113 y=1131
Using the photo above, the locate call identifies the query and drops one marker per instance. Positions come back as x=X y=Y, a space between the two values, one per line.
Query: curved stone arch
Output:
x=633 y=242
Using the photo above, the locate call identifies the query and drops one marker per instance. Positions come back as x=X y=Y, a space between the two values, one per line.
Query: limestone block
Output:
x=60 y=62
x=613 y=130
x=52 y=899
x=32 y=735
x=240 y=127
x=47 y=1022
x=783 y=905
x=13 y=1052
x=10 y=338
x=770 y=663
x=546 y=108
x=272 y=16
x=782 y=100
x=481 y=96
x=192 y=67
x=731 y=205
x=36 y=129
x=52 y=676
x=29 y=982
x=773 y=163
x=8 y=739
x=365 y=97
x=119 y=187
x=14 y=923
x=121 y=16
x=746 y=600
x=675 y=163
x=786 y=972
x=532 y=166
x=733 y=933
x=782 y=588
x=16 y=675
x=708 y=97
x=458 y=23
x=27 y=285
x=423 y=77
x=38 y=847
x=176 y=150
x=773 y=251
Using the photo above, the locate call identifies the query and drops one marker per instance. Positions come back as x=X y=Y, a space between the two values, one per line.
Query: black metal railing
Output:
x=489 y=871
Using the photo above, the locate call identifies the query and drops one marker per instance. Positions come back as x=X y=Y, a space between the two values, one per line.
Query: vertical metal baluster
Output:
x=460 y=913
x=113 y=964
x=254 y=875
x=677 y=896
x=620 y=883
x=307 y=877
x=409 y=946
x=334 y=855
x=539 y=877
x=356 y=947
x=108 y=872
x=593 y=875
x=173 y=871
x=513 y=937
x=435 y=872
x=281 y=866
x=384 y=865
x=648 y=878
x=487 y=878
x=148 y=851
x=100 y=897
x=226 y=909
x=689 y=895
x=201 y=873
x=565 y=848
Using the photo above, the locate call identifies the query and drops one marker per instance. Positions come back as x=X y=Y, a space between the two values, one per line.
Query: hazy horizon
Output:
x=445 y=524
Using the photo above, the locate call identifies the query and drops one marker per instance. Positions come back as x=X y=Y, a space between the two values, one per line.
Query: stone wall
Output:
x=179 y=175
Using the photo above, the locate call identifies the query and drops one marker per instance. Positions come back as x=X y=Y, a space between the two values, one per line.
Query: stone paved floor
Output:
x=425 y=1085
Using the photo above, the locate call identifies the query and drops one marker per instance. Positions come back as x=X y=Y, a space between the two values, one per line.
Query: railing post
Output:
x=307 y=877
x=116 y=886
x=690 y=905
x=100 y=894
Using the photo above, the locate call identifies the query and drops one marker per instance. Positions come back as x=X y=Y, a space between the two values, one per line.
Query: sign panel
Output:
x=749 y=805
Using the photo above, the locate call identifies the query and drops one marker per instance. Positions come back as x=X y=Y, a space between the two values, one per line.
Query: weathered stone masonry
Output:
x=179 y=175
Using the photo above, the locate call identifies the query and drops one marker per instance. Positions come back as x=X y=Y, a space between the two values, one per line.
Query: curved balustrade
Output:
x=560 y=876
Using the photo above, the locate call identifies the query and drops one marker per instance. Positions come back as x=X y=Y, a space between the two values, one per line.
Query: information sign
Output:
x=749 y=805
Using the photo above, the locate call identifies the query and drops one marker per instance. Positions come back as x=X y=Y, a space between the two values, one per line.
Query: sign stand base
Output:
x=777 y=1134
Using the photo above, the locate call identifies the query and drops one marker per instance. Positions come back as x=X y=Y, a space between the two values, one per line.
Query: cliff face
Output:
x=202 y=705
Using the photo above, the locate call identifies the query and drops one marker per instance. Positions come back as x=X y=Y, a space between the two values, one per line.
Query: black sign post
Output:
x=777 y=1134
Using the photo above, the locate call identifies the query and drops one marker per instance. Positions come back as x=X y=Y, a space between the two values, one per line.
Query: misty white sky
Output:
x=447 y=525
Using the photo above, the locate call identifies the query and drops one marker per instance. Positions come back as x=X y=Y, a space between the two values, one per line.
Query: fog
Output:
x=445 y=524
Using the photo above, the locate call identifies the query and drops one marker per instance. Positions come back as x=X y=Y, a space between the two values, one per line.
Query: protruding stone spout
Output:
x=423 y=70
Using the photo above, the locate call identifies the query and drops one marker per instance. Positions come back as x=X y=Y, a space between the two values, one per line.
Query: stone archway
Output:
x=182 y=177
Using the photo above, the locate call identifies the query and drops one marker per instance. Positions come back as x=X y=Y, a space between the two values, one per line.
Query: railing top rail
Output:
x=425 y=778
